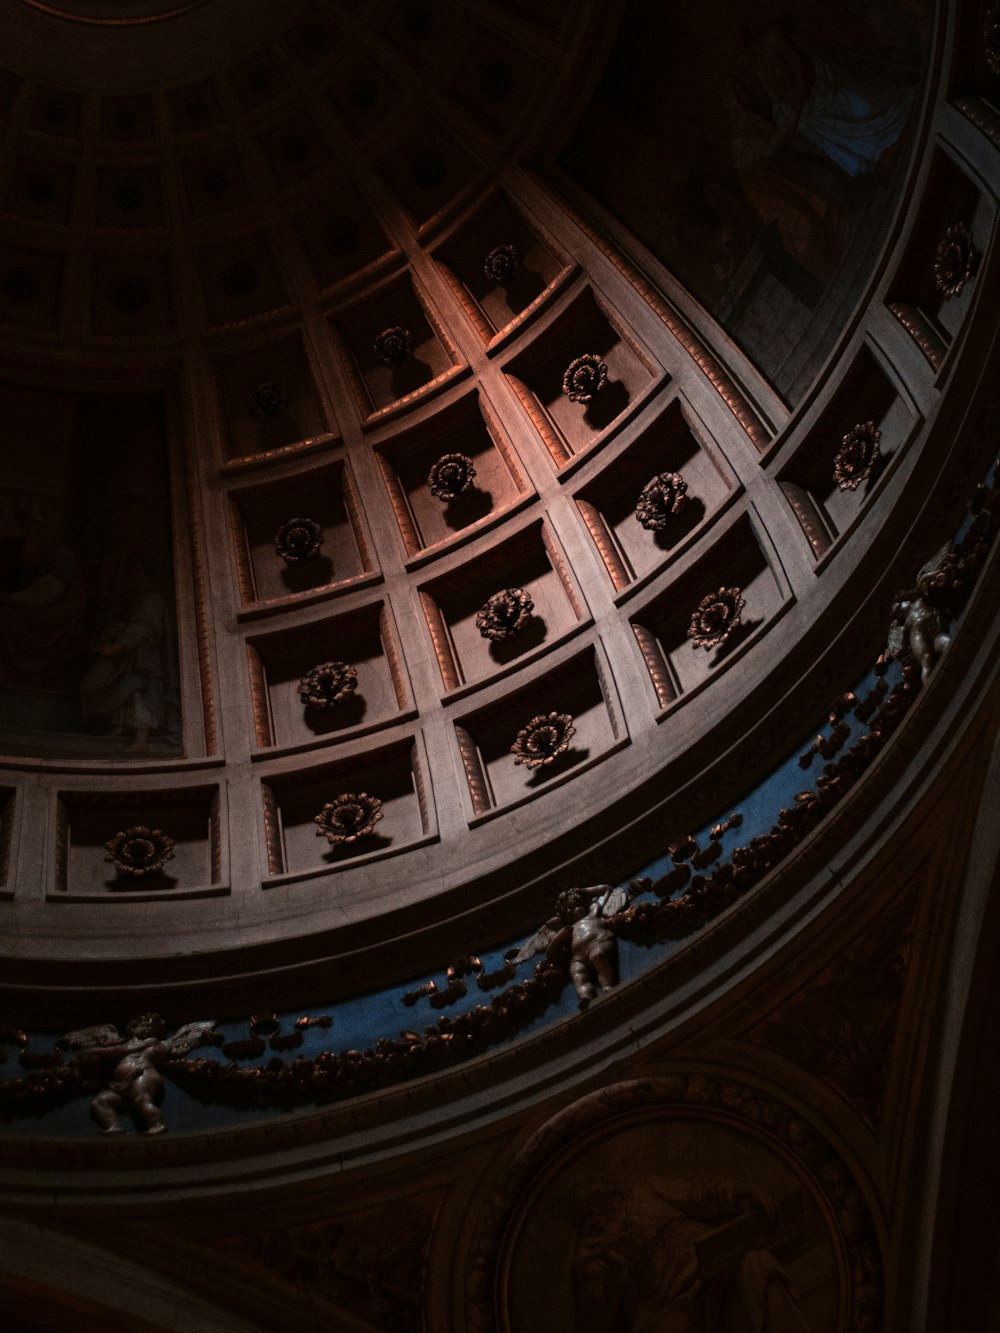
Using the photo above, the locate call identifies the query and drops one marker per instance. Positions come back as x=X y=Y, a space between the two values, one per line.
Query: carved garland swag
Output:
x=682 y=902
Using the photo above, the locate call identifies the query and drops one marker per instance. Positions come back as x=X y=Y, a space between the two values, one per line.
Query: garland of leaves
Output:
x=688 y=901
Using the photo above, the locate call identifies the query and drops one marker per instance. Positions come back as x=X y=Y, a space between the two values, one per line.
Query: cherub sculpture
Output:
x=584 y=924
x=920 y=615
x=136 y=1082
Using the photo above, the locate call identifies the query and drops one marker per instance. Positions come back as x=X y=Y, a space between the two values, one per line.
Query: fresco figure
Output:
x=42 y=608
x=676 y=1256
x=133 y=682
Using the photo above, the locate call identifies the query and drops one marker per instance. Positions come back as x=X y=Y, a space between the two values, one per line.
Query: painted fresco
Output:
x=754 y=148
x=88 y=657
x=673 y=1221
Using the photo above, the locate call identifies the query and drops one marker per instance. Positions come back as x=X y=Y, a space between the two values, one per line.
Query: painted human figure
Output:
x=136 y=1082
x=133 y=680
x=684 y=1256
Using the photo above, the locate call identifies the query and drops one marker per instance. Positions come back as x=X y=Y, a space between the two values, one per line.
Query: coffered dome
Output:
x=456 y=454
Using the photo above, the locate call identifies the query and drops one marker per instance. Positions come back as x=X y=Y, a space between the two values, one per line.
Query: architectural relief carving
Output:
x=503 y=264
x=298 y=539
x=136 y=1084
x=504 y=614
x=450 y=476
x=543 y=739
x=139 y=851
x=921 y=615
x=660 y=500
x=583 y=929
x=393 y=346
x=955 y=260
x=676 y=905
x=715 y=618
x=348 y=817
x=328 y=684
x=267 y=399
x=584 y=377
x=855 y=460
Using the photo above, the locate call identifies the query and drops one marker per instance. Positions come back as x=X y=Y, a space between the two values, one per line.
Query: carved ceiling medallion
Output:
x=328 y=684
x=717 y=616
x=584 y=377
x=392 y=346
x=661 y=499
x=348 y=817
x=544 y=738
x=139 y=850
x=450 y=476
x=856 y=458
x=298 y=539
x=955 y=260
x=504 y=614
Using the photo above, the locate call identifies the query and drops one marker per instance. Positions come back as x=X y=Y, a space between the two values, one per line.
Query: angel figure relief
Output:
x=920 y=616
x=584 y=928
x=136 y=1083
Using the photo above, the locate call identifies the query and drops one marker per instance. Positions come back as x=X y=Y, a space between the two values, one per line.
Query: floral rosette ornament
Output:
x=543 y=739
x=502 y=264
x=584 y=377
x=298 y=539
x=503 y=614
x=955 y=261
x=267 y=399
x=393 y=346
x=717 y=616
x=450 y=476
x=328 y=684
x=856 y=457
x=139 y=850
x=348 y=817
x=660 y=499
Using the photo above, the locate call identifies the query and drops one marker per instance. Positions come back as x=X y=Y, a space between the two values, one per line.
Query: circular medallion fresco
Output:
x=690 y=1204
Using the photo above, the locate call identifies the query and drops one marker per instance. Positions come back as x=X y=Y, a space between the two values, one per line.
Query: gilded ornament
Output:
x=267 y=399
x=955 y=260
x=139 y=850
x=502 y=264
x=328 y=684
x=348 y=817
x=450 y=476
x=544 y=738
x=298 y=539
x=503 y=614
x=584 y=377
x=660 y=499
x=393 y=346
x=855 y=459
x=717 y=616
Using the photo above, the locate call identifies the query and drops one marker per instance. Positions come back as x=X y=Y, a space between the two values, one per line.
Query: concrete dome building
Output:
x=498 y=690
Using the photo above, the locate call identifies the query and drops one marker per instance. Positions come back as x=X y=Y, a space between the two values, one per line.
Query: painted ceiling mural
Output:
x=764 y=144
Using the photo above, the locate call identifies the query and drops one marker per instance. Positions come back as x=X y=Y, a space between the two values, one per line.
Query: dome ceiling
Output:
x=478 y=556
